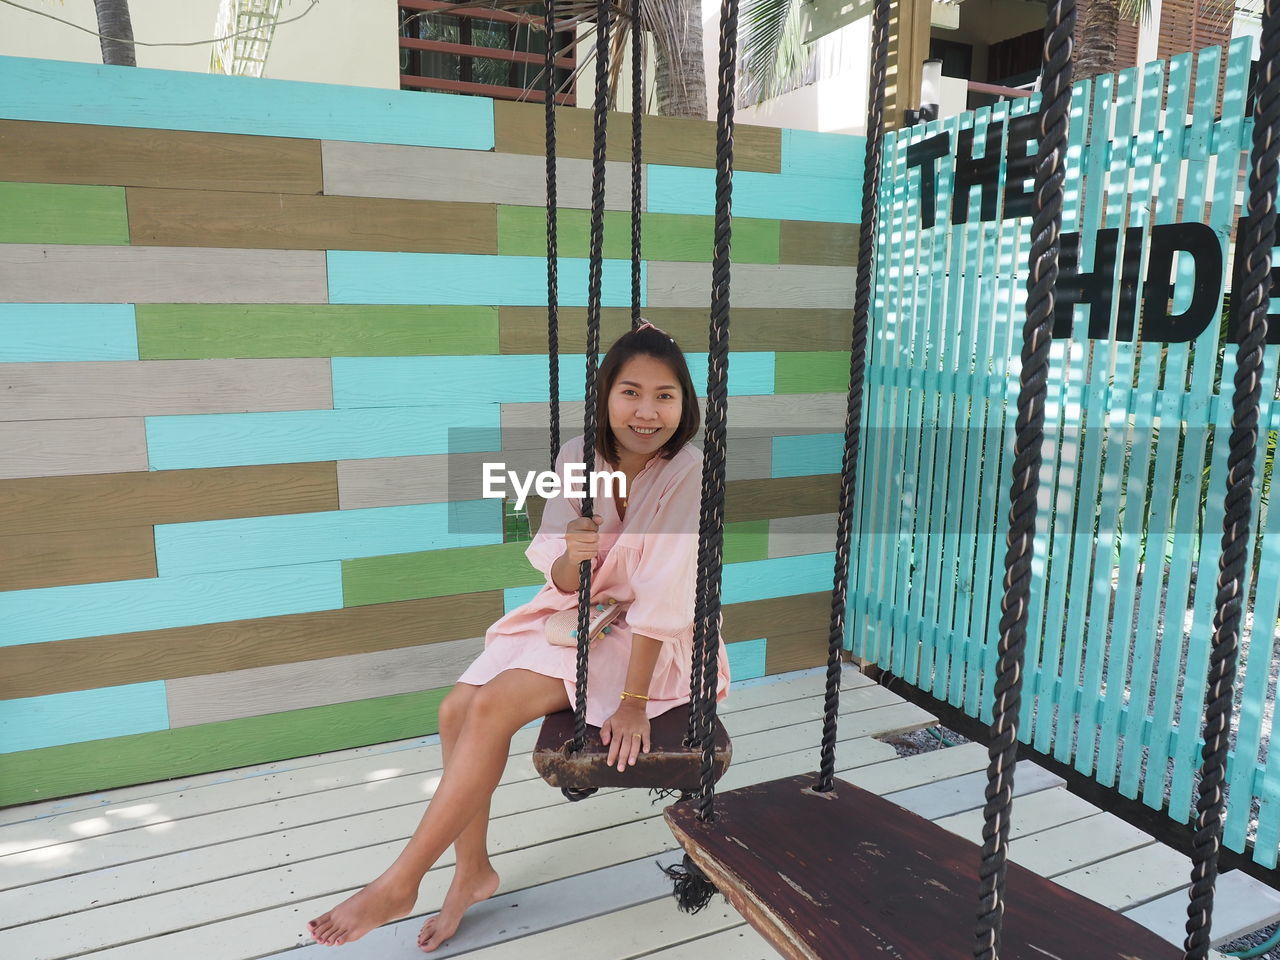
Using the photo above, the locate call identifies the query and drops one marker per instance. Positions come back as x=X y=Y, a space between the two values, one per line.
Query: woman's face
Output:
x=645 y=405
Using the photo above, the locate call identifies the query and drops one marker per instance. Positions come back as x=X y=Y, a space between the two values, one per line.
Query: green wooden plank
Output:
x=63 y=213
x=746 y=540
x=436 y=573
x=192 y=331
x=802 y=371
x=522 y=231
x=141 y=758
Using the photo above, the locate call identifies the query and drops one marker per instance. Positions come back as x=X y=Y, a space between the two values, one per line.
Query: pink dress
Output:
x=649 y=560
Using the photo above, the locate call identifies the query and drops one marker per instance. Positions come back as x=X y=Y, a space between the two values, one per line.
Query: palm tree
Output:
x=1095 y=50
x=115 y=31
x=775 y=58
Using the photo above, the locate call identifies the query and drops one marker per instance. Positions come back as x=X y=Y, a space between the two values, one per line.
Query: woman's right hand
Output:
x=582 y=539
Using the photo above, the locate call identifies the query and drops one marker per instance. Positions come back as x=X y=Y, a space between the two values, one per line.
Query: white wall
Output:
x=338 y=41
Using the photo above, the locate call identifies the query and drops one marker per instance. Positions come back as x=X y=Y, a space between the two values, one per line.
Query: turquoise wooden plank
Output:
x=807 y=456
x=1058 y=713
x=67 y=331
x=934 y=462
x=778 y=577
x=363 y=276
x=746 y=658
x=1168 y=679
x=970 y=408
x=67 y=92
x=183 y=549
x=513 y=597
x=32 y=723
x=1224 y=207
x=1008 y=314
x=1083 y=654
x=989 y=394
x=419 y=381
x=1140 y=400
x=807 y=153
x=241 y=439
x=1259 y=647
x=767 y=195
x=123 y=606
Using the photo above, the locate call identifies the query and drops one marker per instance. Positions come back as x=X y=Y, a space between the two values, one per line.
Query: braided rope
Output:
x=594 y=271
x=1259 y=236
x=637 y=117
x=711 y=521
x=553 y=278
x=1055 y=106
x=857 y=371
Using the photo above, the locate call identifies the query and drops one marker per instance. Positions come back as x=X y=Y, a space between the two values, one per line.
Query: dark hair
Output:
x=646 y=342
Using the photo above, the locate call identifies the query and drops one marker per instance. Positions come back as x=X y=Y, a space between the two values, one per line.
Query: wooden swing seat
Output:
x=669 y=764
x=856 y=876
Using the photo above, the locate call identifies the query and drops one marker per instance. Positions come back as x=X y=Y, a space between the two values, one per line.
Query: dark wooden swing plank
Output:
x=857 y=876
x=669 y=764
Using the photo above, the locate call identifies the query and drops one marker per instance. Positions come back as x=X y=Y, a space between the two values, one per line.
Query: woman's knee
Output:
x=454 y=708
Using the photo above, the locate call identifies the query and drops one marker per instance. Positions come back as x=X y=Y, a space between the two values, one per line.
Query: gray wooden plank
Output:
x=35 y=273
x=431 y=478
x=1132 y=878
x=522 y=913
x=295 y=686
x=56 y=448
x=672 y=284
x=796 y=536
x=435 y=173
x=1077 y=844
x=958 y=794
x=1241 y=905
x=124 y=388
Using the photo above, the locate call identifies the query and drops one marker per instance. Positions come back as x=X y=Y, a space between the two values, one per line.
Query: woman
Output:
x=643 y=548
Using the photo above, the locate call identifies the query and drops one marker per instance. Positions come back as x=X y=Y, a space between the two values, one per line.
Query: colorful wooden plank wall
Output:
x=1125 y=564
x=257 y=337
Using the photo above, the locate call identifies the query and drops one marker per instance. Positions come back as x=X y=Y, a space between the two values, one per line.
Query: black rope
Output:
x=637 y=156
x=857 y=372
x=553 y=277
x=1055 y=106
x=1258 y=236
x=594 y=271
x=711 y=520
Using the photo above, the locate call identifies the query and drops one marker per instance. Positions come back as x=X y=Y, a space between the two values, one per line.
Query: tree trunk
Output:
x=677 y=41
x=117 y=32
x=1096 y=38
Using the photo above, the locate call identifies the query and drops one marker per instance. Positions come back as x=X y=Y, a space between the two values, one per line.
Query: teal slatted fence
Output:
x=1138 y=415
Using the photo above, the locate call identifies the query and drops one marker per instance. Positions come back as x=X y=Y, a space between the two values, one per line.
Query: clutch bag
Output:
x=562 y=627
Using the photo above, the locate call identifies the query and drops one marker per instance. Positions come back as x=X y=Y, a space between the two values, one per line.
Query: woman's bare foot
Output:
x=380 y=902
x=463 y=893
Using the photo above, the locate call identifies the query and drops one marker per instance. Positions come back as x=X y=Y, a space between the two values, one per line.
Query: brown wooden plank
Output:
x=76 y=556
x=802 y=649
x=523 y=330
x=766 y=499
x=821 y=244
x=850 y=874
x=37 y=669
x=804 y=613
x=127 y=156
x=192 y=218
x=520 y=128
x=112 y=500
x=669 y=765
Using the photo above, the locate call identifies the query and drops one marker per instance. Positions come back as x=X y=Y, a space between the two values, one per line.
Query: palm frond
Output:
x=775 y=58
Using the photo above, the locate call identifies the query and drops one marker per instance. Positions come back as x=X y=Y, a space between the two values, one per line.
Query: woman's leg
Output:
x=496 y=711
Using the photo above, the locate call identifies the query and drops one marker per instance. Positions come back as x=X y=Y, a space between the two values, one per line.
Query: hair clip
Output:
x=646 y=325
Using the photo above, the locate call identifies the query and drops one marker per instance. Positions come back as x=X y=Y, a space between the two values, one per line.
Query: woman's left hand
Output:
x=626 y=734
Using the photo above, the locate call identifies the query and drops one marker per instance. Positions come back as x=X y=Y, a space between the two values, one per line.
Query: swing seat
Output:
x=669 y=764
x=854 y=875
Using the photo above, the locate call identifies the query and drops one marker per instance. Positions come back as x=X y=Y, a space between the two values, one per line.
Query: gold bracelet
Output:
x=633 y=696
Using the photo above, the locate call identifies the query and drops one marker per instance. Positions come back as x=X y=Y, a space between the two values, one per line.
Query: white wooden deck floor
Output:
x=230 y=866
